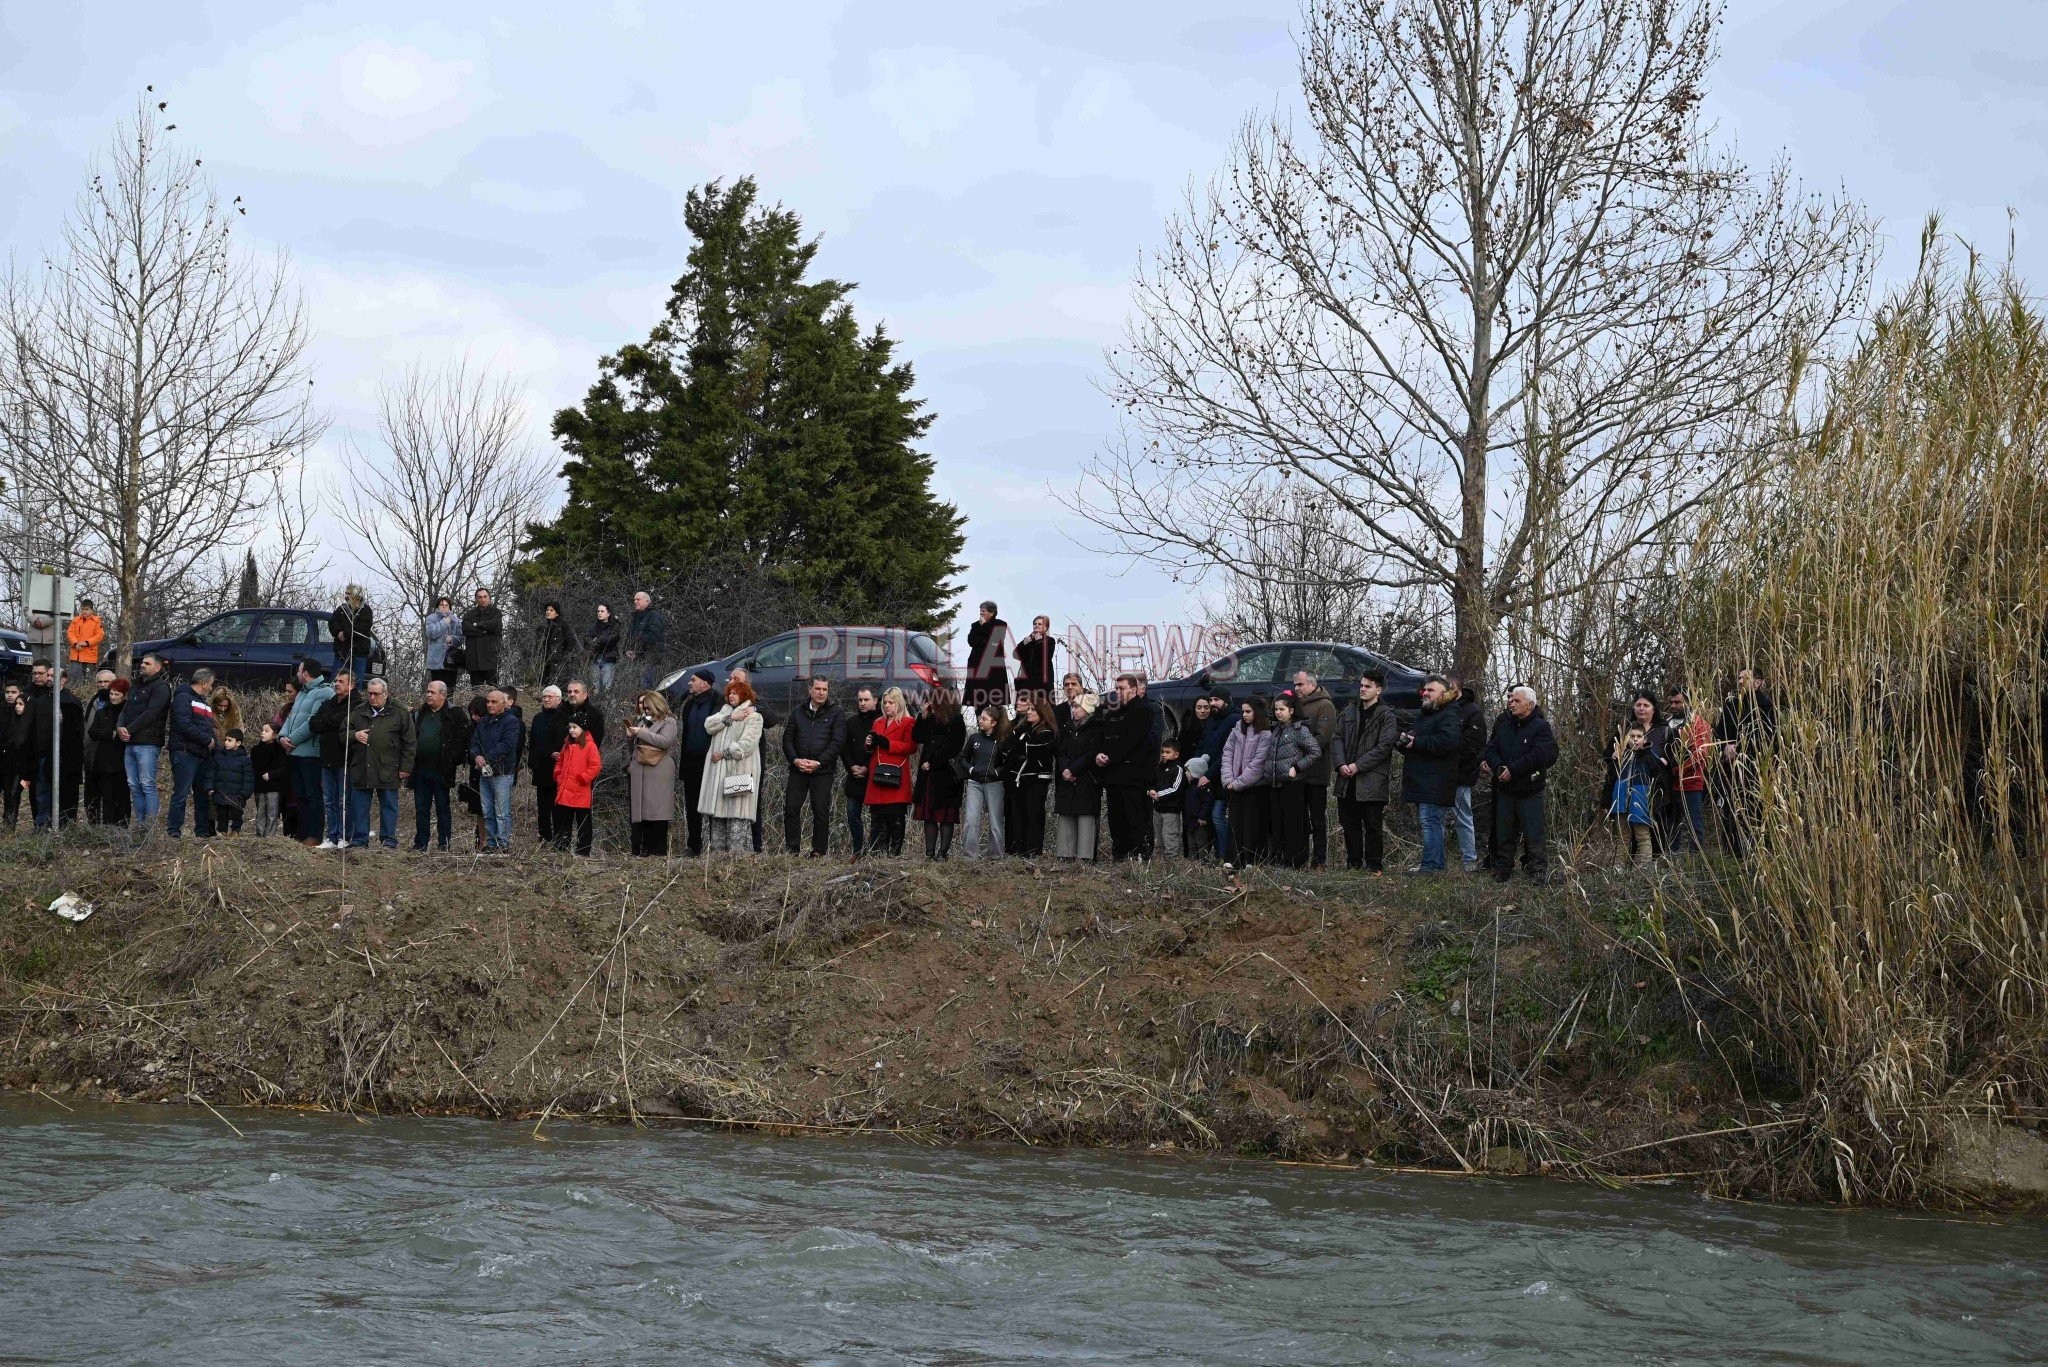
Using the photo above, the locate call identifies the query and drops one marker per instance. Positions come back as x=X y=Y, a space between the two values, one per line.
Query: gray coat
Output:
x=444 y=630
x=651 y=788
x=1294 y=747
x=1365 y=739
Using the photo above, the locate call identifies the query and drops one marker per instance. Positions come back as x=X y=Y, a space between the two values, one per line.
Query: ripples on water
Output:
x=158 y=1237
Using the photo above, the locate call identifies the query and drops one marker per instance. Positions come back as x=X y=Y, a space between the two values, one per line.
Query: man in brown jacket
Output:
x=1317 y=712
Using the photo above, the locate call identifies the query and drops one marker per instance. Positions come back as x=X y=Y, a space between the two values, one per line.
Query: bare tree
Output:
x=152 y=378
x=443 y=510
x=1499 y=304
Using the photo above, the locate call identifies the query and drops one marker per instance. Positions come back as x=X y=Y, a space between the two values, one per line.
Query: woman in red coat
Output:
x=890 y=750
x=576 y=769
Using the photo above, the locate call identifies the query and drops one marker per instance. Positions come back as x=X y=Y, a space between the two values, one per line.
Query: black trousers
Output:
x=554 y=830
x=887 y=820
x=650 y=839
x=1318 y=795
x=1251 y=825
x=1130 y=821
x=576 y=821
x=445 y=676
x=693 y=783
x=815 y=788
x=1518 y=820
x=1290 y=824
x=1365 y=836
x=1013 y=839
x=1030 y=816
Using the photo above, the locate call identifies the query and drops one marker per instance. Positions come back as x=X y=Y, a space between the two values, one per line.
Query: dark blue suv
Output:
x=252 y=645
x=1269 y=667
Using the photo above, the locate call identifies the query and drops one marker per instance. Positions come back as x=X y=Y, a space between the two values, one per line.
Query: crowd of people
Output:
x=1031 y=771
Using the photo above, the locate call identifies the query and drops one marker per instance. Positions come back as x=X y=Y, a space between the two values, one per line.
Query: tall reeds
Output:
x=1887 y=935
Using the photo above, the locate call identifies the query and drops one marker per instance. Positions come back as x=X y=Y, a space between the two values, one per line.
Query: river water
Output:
x=159 y=1236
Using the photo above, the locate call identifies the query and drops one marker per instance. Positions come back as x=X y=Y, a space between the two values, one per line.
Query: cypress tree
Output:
x=757 y=419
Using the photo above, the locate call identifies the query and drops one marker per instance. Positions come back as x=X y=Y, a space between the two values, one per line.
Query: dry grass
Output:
x=1888 y=937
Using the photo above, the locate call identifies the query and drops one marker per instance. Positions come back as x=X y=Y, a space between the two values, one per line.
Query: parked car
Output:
x=252 y=645
x=783 y=666
x=1269 y=667
x=15 y=655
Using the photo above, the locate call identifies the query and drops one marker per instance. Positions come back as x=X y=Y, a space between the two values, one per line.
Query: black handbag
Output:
x=888 y=776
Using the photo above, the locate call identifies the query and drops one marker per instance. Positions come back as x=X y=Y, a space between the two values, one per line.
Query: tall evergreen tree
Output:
x=757 y=419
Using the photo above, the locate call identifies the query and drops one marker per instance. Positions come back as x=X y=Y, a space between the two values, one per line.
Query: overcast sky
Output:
x=988 y=172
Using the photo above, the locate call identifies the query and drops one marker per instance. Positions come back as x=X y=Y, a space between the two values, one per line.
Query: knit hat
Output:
x=703 y=674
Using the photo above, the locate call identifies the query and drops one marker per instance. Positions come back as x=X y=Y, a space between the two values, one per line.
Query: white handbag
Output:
x=737 y=785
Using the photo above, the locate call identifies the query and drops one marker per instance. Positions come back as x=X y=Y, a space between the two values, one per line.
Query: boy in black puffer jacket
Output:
x=234 y=779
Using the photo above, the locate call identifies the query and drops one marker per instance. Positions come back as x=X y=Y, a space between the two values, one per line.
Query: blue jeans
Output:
x=1434 y=819
x=430 y=800
x=334 y=799
x=604 y=670
x=1468 y=843
x=191 y=777
x=984 y=817
x=359 y=817
x=141 y=761
x=856 y=807
x=496 y=792
x=1219 y=822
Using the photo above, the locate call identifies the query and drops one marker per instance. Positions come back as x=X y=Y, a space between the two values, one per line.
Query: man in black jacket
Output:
x=1519 y=757
x=1126 y=761
x=1471 y=746
x=483 y=640
x=550 y=731
x=853 y=753
x=145 y=721
x=194 y=741
x=811 y=742
x=61 y=802
x=441 y=749
x=1429 y=769
x=580 y=711
x=695 y=706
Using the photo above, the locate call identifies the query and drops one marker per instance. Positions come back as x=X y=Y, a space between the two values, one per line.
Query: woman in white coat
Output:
x=731 y=792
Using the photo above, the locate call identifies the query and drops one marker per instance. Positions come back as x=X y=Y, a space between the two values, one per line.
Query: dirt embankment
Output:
x=1455 y=1023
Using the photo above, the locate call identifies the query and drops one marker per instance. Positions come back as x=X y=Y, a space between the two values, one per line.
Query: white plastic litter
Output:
x=71 y=906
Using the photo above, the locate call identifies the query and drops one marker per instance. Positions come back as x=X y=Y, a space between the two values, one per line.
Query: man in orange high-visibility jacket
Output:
x=85 y=635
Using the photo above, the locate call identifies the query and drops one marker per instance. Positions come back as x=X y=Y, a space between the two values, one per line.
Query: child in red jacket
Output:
x=576 y=768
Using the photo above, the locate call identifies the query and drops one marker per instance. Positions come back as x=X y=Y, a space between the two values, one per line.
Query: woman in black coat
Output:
x=940 y=735
x=557 y=644
x=1076 y=789
x=1030 y=757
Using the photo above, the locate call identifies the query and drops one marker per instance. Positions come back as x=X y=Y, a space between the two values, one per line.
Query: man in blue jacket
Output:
x=193 y=739
x=304 y=749
x=494 y=745
x=1519 y=757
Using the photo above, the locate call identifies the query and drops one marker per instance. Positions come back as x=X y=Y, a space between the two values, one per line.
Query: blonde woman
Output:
x=227 y=712
x=732 y=789
x=651 y=775
x=891 y=745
